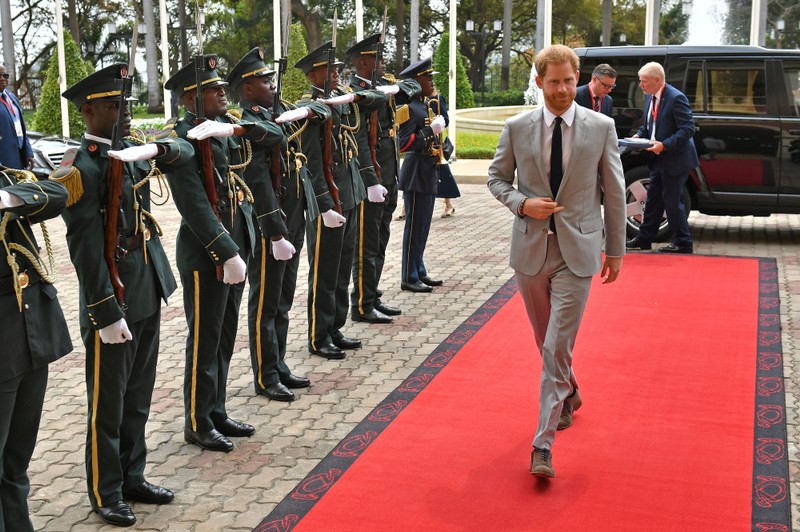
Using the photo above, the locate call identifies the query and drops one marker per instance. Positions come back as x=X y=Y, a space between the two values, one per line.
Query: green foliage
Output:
x=47 y=119
x=476 y=145
x=501 y=98
x=294 y=81
x=465 y=99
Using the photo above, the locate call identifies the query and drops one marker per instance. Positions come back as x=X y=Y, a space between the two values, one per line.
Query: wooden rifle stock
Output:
x=373 y=142
x=327 y=163
x=111 y=234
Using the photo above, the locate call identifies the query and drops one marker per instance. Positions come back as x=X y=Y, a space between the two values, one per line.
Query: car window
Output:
x=792 y=79
x=727 y=88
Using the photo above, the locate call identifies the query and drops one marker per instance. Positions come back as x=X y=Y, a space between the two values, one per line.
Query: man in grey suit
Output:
x=557 y=239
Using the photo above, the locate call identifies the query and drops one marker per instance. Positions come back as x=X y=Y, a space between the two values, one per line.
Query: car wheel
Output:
x=636 y=182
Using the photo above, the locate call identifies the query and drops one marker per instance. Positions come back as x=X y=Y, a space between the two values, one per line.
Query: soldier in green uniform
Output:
x=34 y=332
x=375 y=216
x=280 y=215
x=121 y=336
x=212 y=237
x=332 y=247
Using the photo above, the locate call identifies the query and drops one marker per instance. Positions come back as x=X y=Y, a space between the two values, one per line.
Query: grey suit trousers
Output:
x=555 y=299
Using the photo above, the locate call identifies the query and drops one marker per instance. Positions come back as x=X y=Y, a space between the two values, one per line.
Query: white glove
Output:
x=437 y=125
x=333 y=219
x=376 y=193
x=282 y=249
x=293 y=115
x=210 y=128
x=116 y=333
x=135 y=153
x=340 y=100
x=9 y=200
x=234 y=270
x=388 y=89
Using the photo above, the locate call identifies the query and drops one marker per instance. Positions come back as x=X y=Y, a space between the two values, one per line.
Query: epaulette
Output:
x=289 y=105
x=169 y=129
x=235 y=113
x=70 y=177
x=402 y=115
x=390 y=78
x=306 y=97
x=346 y=88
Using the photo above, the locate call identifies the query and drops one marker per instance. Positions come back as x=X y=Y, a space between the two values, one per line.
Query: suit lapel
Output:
x=536 y=143
x=579 y=140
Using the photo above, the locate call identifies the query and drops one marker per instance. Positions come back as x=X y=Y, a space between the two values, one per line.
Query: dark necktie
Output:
x=556 y=163
x=596 y=105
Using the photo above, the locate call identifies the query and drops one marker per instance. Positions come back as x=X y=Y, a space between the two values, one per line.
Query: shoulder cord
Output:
x=48 y=276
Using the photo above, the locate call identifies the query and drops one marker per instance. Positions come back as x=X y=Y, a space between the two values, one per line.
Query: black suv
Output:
x=745 y=101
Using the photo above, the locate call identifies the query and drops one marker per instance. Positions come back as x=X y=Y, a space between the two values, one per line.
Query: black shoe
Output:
x=148 y=494
x=235 y=429
x=672 y=248
x=277 y=392
x=373 y=316
x=330 y=351
x=637 y=243
x=118 y=514
x=213 y=440
x=343 y=342
x=431 y=282
x=293 y=381
x=386 y=309
x=418 y=286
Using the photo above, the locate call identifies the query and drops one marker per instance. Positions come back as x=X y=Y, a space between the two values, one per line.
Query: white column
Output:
x=276 y=27
x=452 y=73
x=758 y=23
x=164 y=18
x=359 y=20
x=548 y=24
x=62 y=69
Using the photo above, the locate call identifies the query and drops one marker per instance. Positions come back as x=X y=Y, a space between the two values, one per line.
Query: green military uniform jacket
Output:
x=346 y=172
x=370 y=101
x=36 y=334
x=204 y=241
x=257 y=174
x=389 y=152
x=142 y=264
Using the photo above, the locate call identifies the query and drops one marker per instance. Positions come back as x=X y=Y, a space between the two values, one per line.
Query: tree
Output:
x=294 y=82
x=47 y=119
x=465 y=99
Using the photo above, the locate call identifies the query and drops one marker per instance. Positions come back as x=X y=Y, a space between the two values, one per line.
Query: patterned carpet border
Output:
x=771 y=510
x=312 y=488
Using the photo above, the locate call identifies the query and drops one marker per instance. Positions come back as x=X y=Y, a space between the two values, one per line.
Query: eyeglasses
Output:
x=5 y=75
x=606 y=85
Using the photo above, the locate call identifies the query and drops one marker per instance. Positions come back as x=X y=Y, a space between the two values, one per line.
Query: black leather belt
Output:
x=26 y=279
x=135 y=241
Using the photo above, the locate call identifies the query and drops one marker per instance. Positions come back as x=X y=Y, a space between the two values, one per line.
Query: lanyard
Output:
x=5 y=101
x=654 y=108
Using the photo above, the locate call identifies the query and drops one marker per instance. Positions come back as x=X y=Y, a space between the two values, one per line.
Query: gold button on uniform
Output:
x=23 y=280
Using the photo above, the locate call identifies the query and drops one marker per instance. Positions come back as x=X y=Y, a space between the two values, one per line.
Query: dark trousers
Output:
x=384 y=228
x=419 y=210
x=265 y=275
x=665 y=193
x=212 y=315
x=330 y=259
x=365 y=257
x=21 y=401
x=119 y=389
x=296 y=237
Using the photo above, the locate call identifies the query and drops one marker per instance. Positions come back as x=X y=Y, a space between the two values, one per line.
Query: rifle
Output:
x=372 y=138
x=327 y=139
x=279 y=166
x=114 y=177
x=204 y=146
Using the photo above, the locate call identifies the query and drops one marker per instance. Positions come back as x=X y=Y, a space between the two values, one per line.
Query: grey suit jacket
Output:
x=594 y=172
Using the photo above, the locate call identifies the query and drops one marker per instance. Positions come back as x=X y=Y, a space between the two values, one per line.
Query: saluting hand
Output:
x=340 y=100
x=388 y=89
x=135 y=153
x=116 y=333
x=9 y=200
x=293 y=115
x=211 y=128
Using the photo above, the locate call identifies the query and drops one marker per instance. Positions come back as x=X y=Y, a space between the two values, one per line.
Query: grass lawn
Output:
x=476 y=145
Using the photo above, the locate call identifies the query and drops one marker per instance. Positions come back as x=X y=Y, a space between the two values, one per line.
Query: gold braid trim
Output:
x=235 y=179
x=402 y=115
x=70 y=177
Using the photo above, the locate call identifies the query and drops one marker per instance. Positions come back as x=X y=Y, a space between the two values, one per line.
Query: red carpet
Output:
x=667 y=363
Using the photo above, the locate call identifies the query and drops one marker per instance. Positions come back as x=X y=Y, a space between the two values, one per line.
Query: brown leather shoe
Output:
x=571 y=404
x=542 y=463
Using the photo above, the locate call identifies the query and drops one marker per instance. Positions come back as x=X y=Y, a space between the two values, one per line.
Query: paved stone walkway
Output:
x=235 y=491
